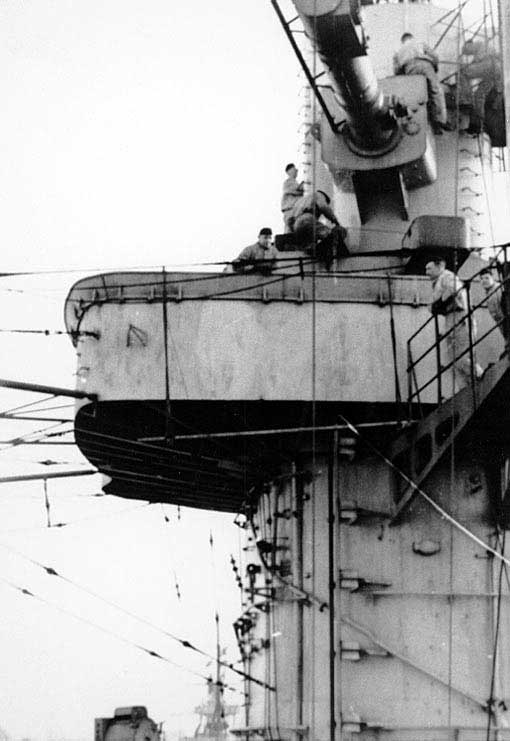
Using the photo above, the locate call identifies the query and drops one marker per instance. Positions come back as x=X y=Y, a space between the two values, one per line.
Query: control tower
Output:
x=332 y=413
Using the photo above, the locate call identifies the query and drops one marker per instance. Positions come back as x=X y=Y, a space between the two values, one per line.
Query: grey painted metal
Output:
x=42 y=389
x=480 y=701
x=336 y=286
x=286 y=25
x=335 y=35
x=33 y=418
x=429 y=683
x=460 y=408
x=293 y=430
x=48 y=475
x=244 y=344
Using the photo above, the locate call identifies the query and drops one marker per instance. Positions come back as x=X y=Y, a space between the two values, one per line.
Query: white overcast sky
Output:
x=142 y=132
x=135 y=133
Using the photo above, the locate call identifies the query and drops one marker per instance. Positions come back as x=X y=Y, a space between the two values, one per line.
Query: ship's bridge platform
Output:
x=190 y=368
x=288 y=337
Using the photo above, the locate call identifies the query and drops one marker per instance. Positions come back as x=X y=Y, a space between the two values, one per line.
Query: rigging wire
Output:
x=272 y=624
x=213 y=276
x=47 y=503
x=169 y=540
x=314 y=400
x=107 y=631
x=45 y=409
x=454 y=374
x=117 y=443
x=31 y=404
x=184 y=462
x=490 y=702
x=166 y=361
x=15 y=441
x=72 y=523
x=309 y=597
x=446 y=515
x=50 y=571
x=147 y=268
x=49 y=332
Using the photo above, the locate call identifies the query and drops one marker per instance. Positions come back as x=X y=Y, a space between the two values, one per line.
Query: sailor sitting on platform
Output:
x=306 y=226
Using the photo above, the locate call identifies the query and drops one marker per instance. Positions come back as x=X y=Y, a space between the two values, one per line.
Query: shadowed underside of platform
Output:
x=212 y=454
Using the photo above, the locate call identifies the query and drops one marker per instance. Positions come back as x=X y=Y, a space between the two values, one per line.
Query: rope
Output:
x=69 y=613
x=168 y=417
x=454 y=373
x=398 y=395
x=50 y=571
x=490 y=701
x=314 y=402
x=274 y=635
x=444 y=514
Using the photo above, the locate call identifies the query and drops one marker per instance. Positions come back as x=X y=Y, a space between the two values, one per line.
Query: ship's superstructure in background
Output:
x=213 y=724
x=324 y=408
x=213 y=715
x=128 y=724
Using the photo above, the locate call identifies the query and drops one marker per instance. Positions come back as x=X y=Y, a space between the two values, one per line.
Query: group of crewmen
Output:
x=301 y=217
x=302 y=212
x=449 y=299
x=417 y=58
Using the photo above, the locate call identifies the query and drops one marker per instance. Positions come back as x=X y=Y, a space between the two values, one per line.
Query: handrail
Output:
x=464 y=316
x=457 y=357
x=479 y=305
x=418 y=331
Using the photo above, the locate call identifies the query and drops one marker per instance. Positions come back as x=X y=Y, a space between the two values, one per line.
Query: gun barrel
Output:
x=330 y=25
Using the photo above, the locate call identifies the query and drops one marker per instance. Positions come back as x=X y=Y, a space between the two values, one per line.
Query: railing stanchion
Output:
x=417 y=392
x=505 y=301
x=438 y=361
x=413 y=389
x=471 y=349
x=409 y=380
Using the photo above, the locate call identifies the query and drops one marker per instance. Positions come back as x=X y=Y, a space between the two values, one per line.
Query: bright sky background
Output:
x=142 y=132
x=135 y=134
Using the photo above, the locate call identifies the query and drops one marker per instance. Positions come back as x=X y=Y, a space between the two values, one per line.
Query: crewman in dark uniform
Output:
x=488 y=93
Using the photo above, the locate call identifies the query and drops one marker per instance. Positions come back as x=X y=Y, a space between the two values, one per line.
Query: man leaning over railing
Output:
x=449 y=300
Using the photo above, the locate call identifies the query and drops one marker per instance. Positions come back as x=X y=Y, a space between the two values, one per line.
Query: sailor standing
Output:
x=449 y=300
x=292 y=192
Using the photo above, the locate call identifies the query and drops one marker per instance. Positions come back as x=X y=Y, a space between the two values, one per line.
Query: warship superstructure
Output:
x=321 y=407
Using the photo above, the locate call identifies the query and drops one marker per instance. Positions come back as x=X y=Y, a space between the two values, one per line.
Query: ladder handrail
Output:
x=468 y=316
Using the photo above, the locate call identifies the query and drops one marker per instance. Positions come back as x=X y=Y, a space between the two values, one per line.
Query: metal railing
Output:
x=414 y=388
